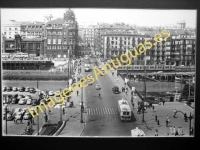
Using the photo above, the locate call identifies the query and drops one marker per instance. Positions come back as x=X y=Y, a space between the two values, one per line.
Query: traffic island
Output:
x=52 y=129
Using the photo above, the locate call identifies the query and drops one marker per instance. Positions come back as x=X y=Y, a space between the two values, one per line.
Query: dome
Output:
x=69 y=15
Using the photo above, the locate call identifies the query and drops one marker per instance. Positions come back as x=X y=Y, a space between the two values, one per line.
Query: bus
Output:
x=124 y=110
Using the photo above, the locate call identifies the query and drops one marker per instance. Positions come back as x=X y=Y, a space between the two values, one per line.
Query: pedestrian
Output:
x=176 y=133
x=153 y=107
x=77 y=93
x=133 y=105
x=174 y=130
x=45 y=117
x=191 y=131
x=163 y=102
x=166 y=123
x=99 y=95
x=174 y=113
x=21 y=118
x=49 y=111
x=28 y=123
x=63 y=111
x=156 y=117
x=171 y=130
x=158 y=122
x=156 y=133
x=167 y=134
x=126 y=92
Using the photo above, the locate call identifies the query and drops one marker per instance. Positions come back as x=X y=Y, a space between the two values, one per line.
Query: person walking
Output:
x=174 y=113
x=77 y=93
x=171 y=130
x=156 y=118
x=63 y=111
x=153 y=107
x=126 y=91
x=191 y=131
x=45 y=117
x=176 y=133
x=158 y=122
x=100 y=95
x=28 y=123
x=156 y=133
x=174 y=130
x=163 y=102
x=166 y=123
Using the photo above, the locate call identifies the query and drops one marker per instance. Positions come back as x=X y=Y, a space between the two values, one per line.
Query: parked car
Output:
x=14 y=100
x=32 y=90
x=4 y=89
x=17 y=110
x=115 y=90
x=22 y=101
x=27 y=89
x=20 y=96
x=10 y=116
x=34 y=102
x=27 y=116
x=9 y=89
x=29 y=102
x=98 y=87
x=28 y=97
x=14 y=89
x=51 y=93
x=18 y=115
x=21 y=89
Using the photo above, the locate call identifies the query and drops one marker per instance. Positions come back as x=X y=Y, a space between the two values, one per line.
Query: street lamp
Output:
x=60 y=110
x=144 y=93
x=82 y=105
x=186 y=117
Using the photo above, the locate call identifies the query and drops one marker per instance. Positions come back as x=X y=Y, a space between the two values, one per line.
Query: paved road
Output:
x=102 y=116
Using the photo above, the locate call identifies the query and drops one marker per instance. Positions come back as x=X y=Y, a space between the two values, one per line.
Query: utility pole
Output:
x=37 y=111
x=144 y=94
x=60 y=110
x=82 y=105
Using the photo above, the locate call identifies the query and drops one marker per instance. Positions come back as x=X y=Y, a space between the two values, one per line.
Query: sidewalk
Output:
x=161 y=111
x=72 y=117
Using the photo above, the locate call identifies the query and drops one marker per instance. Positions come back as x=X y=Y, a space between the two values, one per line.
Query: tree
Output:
x=185 y=93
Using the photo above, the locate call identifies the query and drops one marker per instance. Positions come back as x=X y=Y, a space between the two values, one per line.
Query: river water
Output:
x=157 y=86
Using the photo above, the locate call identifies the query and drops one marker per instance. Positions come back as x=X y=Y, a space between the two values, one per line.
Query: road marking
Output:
x=97 y=111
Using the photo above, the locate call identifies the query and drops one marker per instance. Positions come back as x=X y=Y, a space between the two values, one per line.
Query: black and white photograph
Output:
x=98 y=72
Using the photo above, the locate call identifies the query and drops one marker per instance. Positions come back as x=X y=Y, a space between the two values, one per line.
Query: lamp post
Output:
x=60 y=110
x=144 y=94
x=187 y=117
x=37 y=111
x=6 y=117
x=81 y=105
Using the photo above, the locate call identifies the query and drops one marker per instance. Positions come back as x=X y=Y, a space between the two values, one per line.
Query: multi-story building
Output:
x=32 y=30
x=34 y=47
x=62 y=35
x=89 y=33
x=10 y=28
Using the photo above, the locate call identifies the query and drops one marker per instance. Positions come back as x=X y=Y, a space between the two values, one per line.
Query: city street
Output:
x=102 y=115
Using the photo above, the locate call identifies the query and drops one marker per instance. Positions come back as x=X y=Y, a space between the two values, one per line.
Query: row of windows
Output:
x=11 y=28
x=59 y=47
x=59 y=41
x=31 y=26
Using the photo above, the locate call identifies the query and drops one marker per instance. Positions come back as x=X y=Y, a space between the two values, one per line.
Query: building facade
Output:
x=62 y=36
x=33 y=47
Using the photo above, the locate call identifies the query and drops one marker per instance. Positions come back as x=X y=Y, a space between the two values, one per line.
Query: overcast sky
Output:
x=140 y=17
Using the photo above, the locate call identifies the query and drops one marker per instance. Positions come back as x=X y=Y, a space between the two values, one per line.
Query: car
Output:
x=14 y=100
x=24 y=110
x=18 y=115
x=51 y=93
x=98 y=87
x=89 y=82
x=34 y=102
x=22 y=101
x=22 y=89
x=4 y=89
x=14 y=89
x=27 y=89
x=17 y=110
x=27 y=116
x=10 y=116
x=115 y=90
x=20 y=96
x=29 y=102
x=32 y=90
x=9 y=89
x=28 y=97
